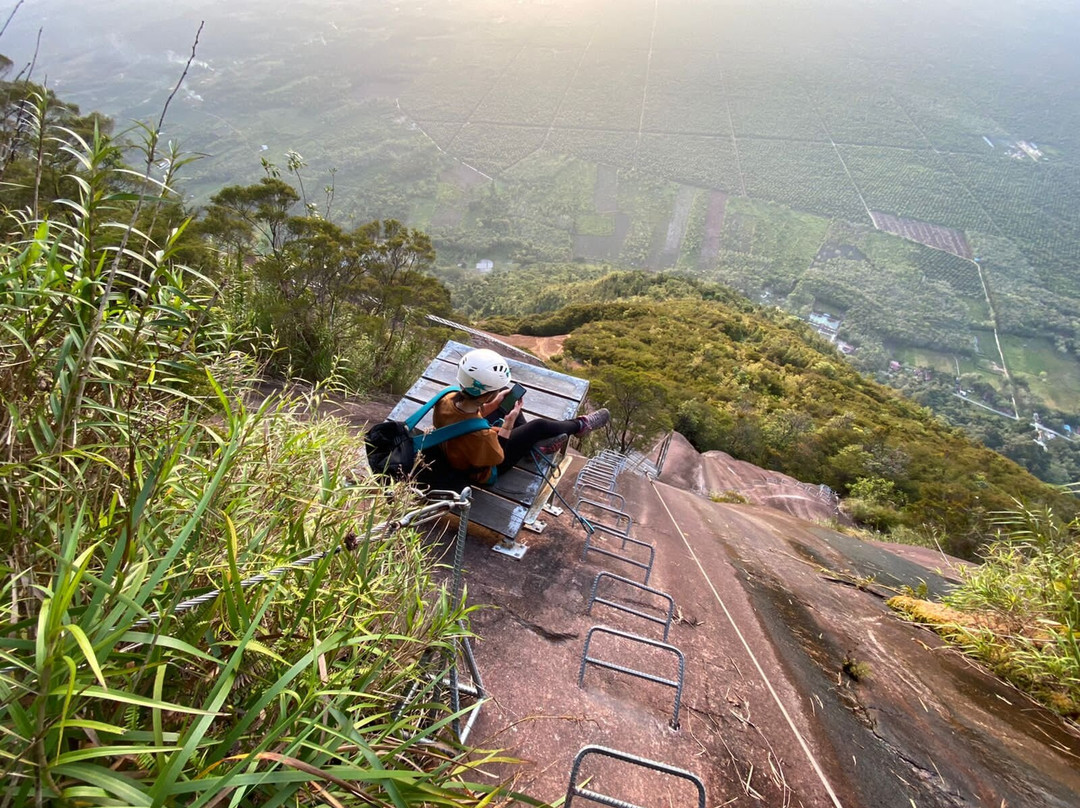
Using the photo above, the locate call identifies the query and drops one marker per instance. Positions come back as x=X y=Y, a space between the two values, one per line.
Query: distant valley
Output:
x=908 y=173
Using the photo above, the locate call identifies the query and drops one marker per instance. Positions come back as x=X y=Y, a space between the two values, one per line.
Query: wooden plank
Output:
x=495 y=513
x=519 y=484
x=414 y=399
x=532 y=376
x=536 y=402
x=502 y=508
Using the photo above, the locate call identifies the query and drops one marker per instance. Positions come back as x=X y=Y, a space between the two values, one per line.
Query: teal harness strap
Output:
x=418 y=416
x=445 y=433
x=449 y=431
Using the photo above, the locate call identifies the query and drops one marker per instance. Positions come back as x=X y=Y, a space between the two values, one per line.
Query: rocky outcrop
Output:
x=723 y=478
x=802 y=687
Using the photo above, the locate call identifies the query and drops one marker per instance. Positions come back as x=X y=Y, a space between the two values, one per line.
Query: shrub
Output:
x=874 y=515
x=728 y=496
x=134 y=476
x=1029 y=587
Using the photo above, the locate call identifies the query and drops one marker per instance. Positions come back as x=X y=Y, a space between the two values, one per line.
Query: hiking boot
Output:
x=593 y=421
x=590 y=422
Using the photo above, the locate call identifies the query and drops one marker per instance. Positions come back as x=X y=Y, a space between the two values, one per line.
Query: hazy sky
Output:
x=265 y=69
x=83 y=42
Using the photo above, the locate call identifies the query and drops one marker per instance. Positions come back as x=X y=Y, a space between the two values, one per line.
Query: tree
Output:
x=322 y=293
x=244 y=217
x=639 y=409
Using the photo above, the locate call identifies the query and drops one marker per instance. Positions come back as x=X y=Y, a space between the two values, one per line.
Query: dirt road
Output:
x=544 y=347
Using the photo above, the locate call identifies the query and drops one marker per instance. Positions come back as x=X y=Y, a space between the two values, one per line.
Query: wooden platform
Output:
x=517 y=496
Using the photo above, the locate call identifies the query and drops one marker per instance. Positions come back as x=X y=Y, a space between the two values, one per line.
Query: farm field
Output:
x=940 y=362
x=739 y=142
x=1052 y=377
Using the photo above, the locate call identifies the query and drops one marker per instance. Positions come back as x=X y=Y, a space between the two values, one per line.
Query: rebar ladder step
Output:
x=574 y=790
x=595 y=598
x=677 y=684
x=604 y=529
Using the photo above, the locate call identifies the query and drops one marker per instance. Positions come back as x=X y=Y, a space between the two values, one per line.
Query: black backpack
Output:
x=394 y=452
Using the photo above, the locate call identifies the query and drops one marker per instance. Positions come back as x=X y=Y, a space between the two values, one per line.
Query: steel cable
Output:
x=753 y=657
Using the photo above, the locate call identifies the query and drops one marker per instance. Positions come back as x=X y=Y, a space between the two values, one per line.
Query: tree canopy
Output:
x=759 y=384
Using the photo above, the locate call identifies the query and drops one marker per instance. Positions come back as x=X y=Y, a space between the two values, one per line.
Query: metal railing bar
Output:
x=574 y=791
x=676 y=684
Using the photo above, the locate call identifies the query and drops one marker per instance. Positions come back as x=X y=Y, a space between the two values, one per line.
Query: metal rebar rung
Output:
x=617 y=532
x=589 y=546
x=618 y=514
x=606 y=493
x=612 y=468
x=665 y=622
x=600 y=663
x=590 y=475
x=648 y=677
x=596 y=474
x=574 y=791
x=622 y=535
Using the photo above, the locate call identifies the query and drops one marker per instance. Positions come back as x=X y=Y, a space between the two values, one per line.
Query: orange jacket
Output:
x=476 y=453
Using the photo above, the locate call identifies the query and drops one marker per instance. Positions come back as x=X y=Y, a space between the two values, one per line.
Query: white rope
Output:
x=753 y=658
x=506 y=346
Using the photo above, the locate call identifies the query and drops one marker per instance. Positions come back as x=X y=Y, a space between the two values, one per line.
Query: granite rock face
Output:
x=801 y=687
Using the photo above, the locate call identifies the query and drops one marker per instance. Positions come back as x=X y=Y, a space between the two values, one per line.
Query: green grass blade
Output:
x=88 y=652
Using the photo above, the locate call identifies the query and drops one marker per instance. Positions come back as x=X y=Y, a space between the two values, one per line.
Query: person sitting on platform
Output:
x=484 y=378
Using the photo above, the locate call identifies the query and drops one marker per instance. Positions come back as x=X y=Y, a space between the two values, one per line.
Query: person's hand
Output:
x=493 y=405
x=511 y=417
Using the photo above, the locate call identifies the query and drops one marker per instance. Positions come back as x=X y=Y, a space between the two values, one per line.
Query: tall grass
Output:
x=1029 y=583
x=134 y=474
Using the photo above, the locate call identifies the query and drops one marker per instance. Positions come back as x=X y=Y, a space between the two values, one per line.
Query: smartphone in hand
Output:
x=507 y=404
x=512 y=398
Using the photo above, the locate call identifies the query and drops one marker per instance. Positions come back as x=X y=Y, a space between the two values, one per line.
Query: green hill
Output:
x=759 y=384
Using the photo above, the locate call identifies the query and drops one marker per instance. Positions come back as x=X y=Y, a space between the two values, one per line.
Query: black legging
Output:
x=526 y=435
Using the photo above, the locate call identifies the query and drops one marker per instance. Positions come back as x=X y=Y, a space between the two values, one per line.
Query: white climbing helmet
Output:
x=482 y=371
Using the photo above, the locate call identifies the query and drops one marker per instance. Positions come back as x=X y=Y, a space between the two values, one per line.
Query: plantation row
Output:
x=932 y=235
x=1028 y=203
x=493 y=149
x=529 y=90
x=959 y=273
x=713 y=163
x=808 y=176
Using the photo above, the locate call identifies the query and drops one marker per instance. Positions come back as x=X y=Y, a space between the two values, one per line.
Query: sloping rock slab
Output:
x=835 y=693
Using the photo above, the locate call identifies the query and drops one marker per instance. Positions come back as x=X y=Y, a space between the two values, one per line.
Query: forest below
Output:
x=761 y=385
x=908 y=170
